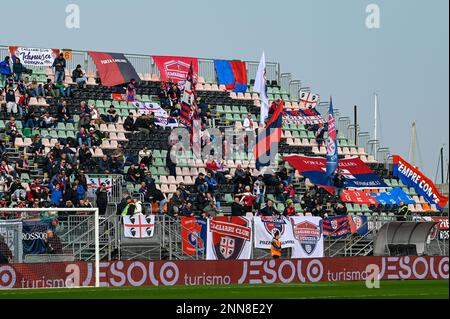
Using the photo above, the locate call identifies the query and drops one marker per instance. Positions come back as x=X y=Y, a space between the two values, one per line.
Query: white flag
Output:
x=139 y=226
x=260 y=87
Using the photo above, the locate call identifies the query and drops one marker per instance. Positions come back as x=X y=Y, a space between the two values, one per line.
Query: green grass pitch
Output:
x=411 y=289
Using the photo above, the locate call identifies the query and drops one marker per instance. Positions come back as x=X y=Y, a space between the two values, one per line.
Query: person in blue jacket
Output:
x=5 y=68
x=56 y=196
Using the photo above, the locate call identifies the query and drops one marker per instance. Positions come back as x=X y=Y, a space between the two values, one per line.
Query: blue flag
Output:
x=332 y=147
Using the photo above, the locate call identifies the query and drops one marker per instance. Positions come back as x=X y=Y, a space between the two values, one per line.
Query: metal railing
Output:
x=145 y=64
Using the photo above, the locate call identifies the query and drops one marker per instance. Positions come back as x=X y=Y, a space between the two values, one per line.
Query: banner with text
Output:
x=229 y=237
x=356 y=173
x=412 y=177
x=113 y=68
x=34 y=56
x=308 y=235
x=176 y=68
x=265 y=227
x=224 y=272
x=336 y=226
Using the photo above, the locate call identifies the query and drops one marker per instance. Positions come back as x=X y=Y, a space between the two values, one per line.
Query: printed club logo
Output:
x=334 y=224
x=308 y=234
x=271 y=224
x=358 y=221
x=177 y=69
x=229 y=244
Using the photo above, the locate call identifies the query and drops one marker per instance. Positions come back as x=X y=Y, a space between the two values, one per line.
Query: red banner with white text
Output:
x=175 y=68
x=224 y=272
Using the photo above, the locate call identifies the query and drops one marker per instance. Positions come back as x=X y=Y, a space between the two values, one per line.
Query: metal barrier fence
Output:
x=144 y=64
x=117 y=190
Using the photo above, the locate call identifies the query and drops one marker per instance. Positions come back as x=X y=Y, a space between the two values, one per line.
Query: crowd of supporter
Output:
x=65 y=165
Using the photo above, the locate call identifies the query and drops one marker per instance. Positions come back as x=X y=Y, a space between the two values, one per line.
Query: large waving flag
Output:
x=189 y=99
x=260 y=87
x=332 y=147
x=412 y=177
x=113 y=68
x=232 y=74
x=266 y=145
x=357 y=174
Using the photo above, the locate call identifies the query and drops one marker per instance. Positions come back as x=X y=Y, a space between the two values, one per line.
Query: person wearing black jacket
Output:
x=53 y=243
x=59 y=64
x=236 y=208
x=338 y=182
x=340 y=209
x=171 y=165
x=102 y=198
x=5 y=253
x=128 y=124
x=78 y=76
x=269 y=209
x=319 y=211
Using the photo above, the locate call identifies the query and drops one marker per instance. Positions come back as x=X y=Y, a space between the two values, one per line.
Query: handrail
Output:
x=176 y=233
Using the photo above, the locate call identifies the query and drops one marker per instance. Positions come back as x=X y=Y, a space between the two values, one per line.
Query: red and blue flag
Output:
x=266 y=145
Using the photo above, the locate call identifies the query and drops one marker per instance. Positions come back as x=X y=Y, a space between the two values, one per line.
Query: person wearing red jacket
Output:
x=247 y=199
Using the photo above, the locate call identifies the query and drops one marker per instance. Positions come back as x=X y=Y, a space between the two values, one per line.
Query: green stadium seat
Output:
x=156 y=153
x=228 y=198
x=219 y=109
x=243 y=110
x=227 y=109
x=62 y=134
x=158 y=162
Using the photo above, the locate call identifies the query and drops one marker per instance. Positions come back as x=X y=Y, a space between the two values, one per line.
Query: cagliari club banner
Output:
x=308 y=237
x=34 y=56
x=175 y=68
x=139 y=226
x=113 y=68
x=223 y=272
x=412 y=177
x=265 y=227
x=229 y=237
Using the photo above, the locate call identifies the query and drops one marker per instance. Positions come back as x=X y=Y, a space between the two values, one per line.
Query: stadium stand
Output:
x=43 y=131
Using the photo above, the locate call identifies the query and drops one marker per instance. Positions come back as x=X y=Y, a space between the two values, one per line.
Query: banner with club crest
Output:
x=308 y=237
x=229 y=237
x=265 y=227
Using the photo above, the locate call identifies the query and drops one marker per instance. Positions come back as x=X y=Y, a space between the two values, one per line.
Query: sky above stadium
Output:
x=324 y=43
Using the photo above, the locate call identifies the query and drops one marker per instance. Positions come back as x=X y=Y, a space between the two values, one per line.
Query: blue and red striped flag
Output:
x=188 y=100
x=266 y=145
